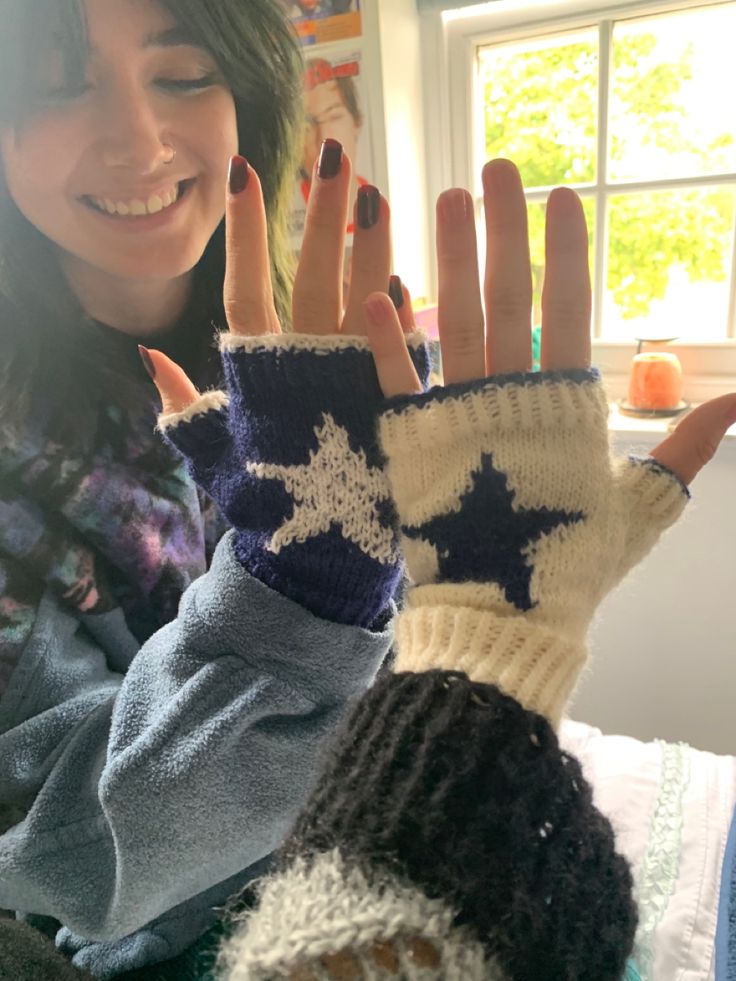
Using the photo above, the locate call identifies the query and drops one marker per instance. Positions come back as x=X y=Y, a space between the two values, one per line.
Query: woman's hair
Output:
x=48 y=347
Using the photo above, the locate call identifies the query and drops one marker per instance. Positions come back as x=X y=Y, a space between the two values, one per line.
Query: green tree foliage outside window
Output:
x=540 y=106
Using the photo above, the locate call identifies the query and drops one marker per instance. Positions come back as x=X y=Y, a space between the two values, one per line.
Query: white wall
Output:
x=664 y=644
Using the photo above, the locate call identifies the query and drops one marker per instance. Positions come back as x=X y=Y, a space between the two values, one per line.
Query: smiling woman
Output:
x=196 y=592
x=144 y=93
x=116 y=125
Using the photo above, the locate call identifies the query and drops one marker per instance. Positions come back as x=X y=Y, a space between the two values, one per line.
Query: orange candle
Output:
x=656 y=381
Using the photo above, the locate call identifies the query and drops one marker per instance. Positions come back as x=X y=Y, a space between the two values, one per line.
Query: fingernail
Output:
x=239 y=175
x=456 y=205
x=330 y=160
x=147 y=360
x=396 y=292
x=369 y=206
x=375 y=310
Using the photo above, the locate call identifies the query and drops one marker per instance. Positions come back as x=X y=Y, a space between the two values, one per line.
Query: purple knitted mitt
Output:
x=290 y=455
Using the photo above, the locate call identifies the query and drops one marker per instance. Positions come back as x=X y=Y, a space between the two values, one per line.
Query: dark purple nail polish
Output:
x=396 y=292
x=369 y=206
x=147 y=360
x=239 y=175
x=330 y=160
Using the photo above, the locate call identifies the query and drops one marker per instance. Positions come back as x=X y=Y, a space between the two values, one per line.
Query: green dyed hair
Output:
x=47 y=345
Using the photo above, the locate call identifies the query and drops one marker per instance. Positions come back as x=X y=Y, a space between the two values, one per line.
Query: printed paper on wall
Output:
x=324 y=21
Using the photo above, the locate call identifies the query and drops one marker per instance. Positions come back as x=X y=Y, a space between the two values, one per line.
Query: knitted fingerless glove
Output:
x=515 y=524
x=289 y=453
x=449 y=838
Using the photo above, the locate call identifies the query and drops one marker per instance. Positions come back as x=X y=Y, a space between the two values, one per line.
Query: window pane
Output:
x=671 y=95
x=669 y=258
x=540 y=105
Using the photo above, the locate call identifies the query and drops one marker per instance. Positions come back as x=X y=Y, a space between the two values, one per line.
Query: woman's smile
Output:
x=134 y=203
x=141 y=212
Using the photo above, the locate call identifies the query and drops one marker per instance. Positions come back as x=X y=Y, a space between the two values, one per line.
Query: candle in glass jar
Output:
x=656 y=381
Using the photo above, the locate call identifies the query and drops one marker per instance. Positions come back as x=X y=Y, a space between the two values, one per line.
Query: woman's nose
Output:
x=133 y=133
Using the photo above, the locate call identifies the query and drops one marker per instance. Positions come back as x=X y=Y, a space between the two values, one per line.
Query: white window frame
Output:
x=450 y=42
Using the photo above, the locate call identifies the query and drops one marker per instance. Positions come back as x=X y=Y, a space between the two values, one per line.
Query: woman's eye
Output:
x=187 y=84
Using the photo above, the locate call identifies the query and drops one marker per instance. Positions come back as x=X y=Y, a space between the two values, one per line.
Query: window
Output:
x=629 y=103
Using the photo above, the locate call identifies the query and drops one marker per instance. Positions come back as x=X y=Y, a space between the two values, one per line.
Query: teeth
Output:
x=156 y=203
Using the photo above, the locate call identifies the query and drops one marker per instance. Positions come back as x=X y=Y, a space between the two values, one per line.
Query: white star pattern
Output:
x=336 y=487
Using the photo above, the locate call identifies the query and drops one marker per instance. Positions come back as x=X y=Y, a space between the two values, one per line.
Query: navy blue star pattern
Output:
x=484 y=540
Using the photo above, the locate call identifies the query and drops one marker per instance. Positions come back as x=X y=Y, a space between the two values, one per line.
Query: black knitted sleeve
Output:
x=454 y=786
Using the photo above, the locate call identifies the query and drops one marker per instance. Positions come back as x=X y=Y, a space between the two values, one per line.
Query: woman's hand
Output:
x=318 y=287
x=472 y=349
x=288 y=449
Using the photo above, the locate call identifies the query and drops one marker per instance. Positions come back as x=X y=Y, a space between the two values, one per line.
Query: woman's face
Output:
x=89 y=168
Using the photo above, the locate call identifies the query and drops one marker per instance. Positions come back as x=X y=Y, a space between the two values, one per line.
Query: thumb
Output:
x=695 y=441
x=176 y=390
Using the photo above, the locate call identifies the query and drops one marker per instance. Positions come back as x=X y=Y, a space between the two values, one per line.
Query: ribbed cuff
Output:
x=317 y=369
x=527 y=661
x=531 y=402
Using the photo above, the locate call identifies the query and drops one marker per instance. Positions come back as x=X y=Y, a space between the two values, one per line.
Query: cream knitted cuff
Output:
x=531 y=663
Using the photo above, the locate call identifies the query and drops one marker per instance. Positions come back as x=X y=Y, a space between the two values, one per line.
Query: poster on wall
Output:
x=336 y=105
x=324 y=21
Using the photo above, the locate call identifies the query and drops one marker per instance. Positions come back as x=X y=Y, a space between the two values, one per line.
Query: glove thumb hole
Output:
x=196 y=425
x=176 y=390
x=695 y=441
x=651 y=497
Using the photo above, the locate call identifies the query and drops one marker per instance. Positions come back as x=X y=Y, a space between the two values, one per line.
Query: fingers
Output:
x=318 y=285
x=401 y=298
x=371 y=256
x=460 y=313
x=396 y=373
x=508 y=281
x=248 y=293
x=176 y=390
x=696 y=439
x=566 y=296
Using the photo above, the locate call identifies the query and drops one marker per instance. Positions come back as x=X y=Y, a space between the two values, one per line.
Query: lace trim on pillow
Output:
x=660 y=867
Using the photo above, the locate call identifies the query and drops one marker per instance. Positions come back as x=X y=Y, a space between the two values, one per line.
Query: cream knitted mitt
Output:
x=515 y=522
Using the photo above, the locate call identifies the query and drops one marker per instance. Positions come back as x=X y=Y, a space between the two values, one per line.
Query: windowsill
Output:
x=618 y=422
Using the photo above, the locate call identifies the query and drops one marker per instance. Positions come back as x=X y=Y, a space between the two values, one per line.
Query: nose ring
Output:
x=171 y=156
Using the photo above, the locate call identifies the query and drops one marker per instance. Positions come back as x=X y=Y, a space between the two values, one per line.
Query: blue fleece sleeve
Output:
x=147 y=789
